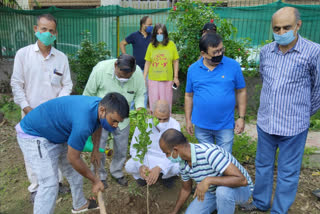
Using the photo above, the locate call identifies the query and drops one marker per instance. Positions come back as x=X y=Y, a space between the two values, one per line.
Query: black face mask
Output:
x=216 y=59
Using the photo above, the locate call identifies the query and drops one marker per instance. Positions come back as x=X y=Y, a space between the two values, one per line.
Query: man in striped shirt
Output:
x=221 y=181
x=290 y=71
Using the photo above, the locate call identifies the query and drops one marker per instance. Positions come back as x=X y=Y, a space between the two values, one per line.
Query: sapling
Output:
x=140 y=119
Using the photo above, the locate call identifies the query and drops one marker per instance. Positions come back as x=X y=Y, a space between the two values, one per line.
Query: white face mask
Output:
x=163 y=126
x=121 y=80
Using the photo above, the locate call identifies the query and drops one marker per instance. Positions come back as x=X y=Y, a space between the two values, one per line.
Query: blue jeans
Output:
x=224 y=200
x=291 y=150
x=44 y=158
x=223 y=138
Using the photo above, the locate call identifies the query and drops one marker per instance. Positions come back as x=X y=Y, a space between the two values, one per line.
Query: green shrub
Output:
x=86 y=58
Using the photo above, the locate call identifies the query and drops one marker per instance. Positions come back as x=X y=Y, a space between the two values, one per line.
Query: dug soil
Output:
x=14 y=196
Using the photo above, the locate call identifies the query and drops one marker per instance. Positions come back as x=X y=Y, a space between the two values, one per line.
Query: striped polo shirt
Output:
x=290 y=91
x=209 y=160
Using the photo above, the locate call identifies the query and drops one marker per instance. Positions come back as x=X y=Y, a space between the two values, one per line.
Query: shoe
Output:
x=249 y=207
x=63 y=189
x=93 y=205
x=122 y=181
x=105 y=184
x=33 y=196
x=316 y=193
x=169 y=182
x=141 y=182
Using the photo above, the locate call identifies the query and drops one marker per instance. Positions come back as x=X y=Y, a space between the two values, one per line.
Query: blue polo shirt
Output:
x=69 y=119
x=214 y=93
x=139 y=46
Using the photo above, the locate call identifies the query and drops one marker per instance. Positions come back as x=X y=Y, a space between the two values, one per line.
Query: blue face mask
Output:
x=46 y=38
x=159 y=37
x=149 y=29
x=104 y=123
x=174 y=160
x=284 y=39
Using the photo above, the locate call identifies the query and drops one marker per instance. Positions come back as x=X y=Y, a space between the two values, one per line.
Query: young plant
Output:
x=139 y=119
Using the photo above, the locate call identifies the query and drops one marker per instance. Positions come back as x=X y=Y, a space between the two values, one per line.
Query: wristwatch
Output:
x=242 y=117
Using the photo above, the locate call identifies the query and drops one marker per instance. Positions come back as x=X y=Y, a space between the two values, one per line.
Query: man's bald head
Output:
x=162 y=110
x=288 y=12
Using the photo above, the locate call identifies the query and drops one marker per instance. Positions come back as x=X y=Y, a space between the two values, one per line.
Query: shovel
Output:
x=100 y=197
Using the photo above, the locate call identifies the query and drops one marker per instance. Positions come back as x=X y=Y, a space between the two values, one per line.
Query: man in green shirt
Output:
x=117 y=75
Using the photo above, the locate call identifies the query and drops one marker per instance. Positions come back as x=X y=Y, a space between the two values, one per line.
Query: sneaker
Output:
x=63 y=189
x=93 y=205
x=249 y=207
x=316 y=193
x=122 y=181
x=105 y=183
x=141 y=182
x=169 y=182
x=33 y=196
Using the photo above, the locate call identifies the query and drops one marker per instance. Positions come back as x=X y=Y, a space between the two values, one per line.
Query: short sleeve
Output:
x=148 y=53
x=130 y=39
x=218 y=161
x=78 y=138
x=240 y=82
x=184 y=176
x=189 y=85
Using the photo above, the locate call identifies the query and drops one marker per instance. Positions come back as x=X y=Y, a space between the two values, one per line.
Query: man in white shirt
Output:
x=155 y=161
x=40 y=73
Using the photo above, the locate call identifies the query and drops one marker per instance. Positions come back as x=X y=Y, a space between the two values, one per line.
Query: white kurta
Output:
x=155 y=156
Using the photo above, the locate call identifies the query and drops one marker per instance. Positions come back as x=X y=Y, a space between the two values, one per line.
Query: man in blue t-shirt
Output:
x=214 y=84
x=54 y=134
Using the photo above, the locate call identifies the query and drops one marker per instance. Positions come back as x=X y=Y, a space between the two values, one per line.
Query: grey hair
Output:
x=162 y=106
x=297 y=14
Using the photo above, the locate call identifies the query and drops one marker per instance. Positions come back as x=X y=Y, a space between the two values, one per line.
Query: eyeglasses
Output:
x=218 y=51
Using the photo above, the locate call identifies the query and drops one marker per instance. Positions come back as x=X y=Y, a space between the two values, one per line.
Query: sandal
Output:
x=249 y=207
x=93 y=205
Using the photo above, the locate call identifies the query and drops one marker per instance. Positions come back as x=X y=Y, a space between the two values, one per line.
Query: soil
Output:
x=14 y=196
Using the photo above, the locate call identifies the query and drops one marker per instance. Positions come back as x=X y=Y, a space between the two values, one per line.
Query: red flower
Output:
x=174 y=8
x=239 y=49
x=212 y=20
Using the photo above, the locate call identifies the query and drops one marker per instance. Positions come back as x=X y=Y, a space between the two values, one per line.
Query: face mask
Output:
x=159 y=37
x=162 y=126
x=149 y=29
x=46 y=38
x=121 y=80
x=284 y=39
x=174 y=160
x=215 y=59
x=104 y=123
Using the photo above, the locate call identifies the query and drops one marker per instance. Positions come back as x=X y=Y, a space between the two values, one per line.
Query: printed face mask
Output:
x=46 y=38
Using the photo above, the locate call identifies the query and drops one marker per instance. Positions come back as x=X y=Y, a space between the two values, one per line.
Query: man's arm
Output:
x=242 y=104
x=146 y=69
x=183 y=195
x=315 y=90
x=141 y=90
x=95 y=155
x=123 y=44
x=232 y=177
x=188 y=104
x=66 y=80
x=18 y=83
x=78 y=164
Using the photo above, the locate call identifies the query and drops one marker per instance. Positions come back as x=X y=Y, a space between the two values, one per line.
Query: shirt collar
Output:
x=297 y=47
x=53 y=51
x=200 y=62
x=193 y=154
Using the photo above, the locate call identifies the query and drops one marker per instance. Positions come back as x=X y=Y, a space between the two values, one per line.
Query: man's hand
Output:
x=201 y=189
x=95 y=158
x=239 y=127
x=189 y=127
x=144 y=171
x=176 y=81
x=153 y=175
x=27 y=109
x=97 y=186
